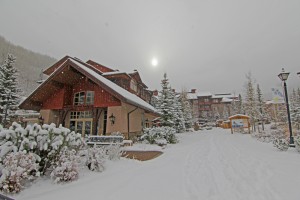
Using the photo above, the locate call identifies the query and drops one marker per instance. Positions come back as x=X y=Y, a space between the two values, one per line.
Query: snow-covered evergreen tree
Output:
x=165 y=104
x=187 y=110
x=179 y=122
x=295 y=109
x=240 y=105
x=260 y=104
x=9 y=97
x=251 y=105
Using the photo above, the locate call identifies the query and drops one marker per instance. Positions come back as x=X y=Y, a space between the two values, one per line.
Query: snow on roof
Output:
x=275 y=102
x=238 y=115
x=216 y=96
x=113 y=73
x=191 y=95
x=204 y=94
x=226 y=100
x=124 y=93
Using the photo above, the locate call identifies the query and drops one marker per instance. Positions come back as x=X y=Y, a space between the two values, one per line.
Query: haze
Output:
x=208 y=45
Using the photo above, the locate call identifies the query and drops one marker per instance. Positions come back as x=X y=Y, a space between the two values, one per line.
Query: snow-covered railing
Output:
x=105 y=140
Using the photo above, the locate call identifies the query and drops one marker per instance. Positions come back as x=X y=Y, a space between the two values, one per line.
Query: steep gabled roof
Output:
x=93 y=74
x=55 y=66
x=102 y=68
x=137 y=77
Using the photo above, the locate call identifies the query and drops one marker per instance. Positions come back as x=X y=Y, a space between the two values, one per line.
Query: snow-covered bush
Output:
x=273 y=126
x=161 y=142
x=113 y=152
x=281 y=144
x=46 y=141
x=263 y=136
x=278 y=134
x=18 y=169
x=96 y=158
x=66 y=167
x=164 y=132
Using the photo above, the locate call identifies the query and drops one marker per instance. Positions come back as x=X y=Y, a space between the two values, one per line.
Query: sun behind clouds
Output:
x=154 y=62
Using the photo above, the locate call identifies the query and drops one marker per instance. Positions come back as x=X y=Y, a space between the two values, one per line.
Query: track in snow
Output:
x=216 y=168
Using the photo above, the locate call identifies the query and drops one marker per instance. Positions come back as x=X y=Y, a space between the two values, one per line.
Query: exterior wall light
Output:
x=112 y=119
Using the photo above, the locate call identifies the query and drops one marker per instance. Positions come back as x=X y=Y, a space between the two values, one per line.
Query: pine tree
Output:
x=240 y=105
x=179 y=122
x=295 y=109
x=250 y=106
x=186 y=110
x=165 y=104
x=260 y=104
x=9 y=97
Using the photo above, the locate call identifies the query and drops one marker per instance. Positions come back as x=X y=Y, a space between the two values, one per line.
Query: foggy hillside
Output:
x=28 y=63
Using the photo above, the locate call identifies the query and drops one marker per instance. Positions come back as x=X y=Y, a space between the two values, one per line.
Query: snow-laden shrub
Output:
x=161 y=142
x=66 y=167
x=281 y=144
x=113 y=152
x=273 y=126
x=18 y=169
x=96 y=158
x=278 y=134
x=263 y=136
x=46 y=141
x=164 y=132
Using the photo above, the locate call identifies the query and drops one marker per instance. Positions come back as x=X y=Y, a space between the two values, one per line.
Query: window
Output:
x=79 y=98
x=81 y=122
x=89 y=98
x=206 y=100
x=133 y=85
x=84 y=98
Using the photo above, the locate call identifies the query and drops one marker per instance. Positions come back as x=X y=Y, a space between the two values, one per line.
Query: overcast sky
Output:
x=204 y=44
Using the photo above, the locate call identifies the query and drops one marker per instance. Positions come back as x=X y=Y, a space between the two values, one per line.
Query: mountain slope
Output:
x=28 y=63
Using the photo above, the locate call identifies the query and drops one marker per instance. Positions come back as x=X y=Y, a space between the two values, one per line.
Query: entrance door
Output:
x=81 y=122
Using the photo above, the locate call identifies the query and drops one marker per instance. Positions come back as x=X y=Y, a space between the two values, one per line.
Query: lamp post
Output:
x=284 y=76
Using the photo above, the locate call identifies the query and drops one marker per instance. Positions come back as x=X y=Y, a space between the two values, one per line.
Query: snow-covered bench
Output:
x=105 y=140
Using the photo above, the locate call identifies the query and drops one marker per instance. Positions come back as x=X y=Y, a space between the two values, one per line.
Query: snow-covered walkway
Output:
x=204 y=165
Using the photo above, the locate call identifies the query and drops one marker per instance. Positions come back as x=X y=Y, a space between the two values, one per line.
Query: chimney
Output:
x=193 y=90
x=173 y=90
x=155 y=93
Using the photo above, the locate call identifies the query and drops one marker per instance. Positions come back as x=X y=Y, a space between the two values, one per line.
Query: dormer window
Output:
x=84 y=98
x=133 y=85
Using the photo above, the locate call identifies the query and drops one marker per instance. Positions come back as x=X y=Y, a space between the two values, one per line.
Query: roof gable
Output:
x=94 y=75
x=102 y=68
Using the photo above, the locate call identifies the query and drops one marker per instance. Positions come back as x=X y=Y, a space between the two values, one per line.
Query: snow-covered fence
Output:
x=105 y=140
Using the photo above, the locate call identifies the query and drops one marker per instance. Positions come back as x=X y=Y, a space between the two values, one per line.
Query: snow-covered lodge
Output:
x=210 y=106
x=92 y=99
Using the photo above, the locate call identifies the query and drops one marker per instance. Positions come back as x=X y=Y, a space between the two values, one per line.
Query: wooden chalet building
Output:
x=92 y=99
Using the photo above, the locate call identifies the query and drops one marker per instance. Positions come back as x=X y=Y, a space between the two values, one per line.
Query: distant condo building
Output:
x=206 y=105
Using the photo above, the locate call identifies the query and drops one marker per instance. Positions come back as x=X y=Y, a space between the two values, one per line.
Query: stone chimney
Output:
x=155 y=93
x=173 y=90
x=193 y=90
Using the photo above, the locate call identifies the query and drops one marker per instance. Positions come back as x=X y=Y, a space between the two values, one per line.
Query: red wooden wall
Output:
x=65 y=96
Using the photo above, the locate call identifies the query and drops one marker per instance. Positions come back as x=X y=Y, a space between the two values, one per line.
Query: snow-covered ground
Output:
x=211 y=164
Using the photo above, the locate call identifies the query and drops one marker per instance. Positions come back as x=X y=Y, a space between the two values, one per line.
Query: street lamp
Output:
x=283 y=77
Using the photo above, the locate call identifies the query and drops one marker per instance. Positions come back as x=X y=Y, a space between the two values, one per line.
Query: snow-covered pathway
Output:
x=204 y=165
